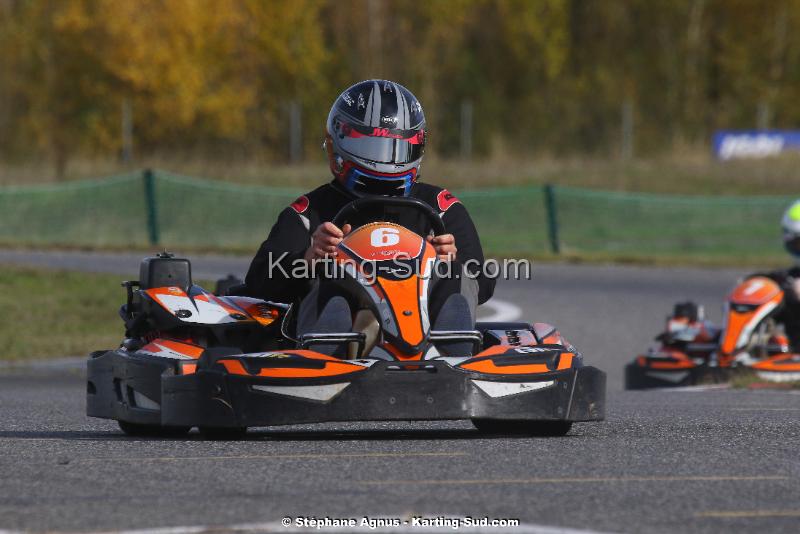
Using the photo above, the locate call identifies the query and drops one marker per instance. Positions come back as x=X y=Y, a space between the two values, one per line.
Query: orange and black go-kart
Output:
x=693 y=351
x=224 y=363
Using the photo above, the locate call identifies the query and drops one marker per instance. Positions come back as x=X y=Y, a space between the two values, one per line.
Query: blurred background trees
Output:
x=255 y=78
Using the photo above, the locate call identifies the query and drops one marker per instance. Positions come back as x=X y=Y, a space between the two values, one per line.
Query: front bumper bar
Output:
x=431 y=390
x=640 y=377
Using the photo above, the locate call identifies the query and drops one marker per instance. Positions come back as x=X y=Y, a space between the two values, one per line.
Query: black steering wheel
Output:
x=359 y=205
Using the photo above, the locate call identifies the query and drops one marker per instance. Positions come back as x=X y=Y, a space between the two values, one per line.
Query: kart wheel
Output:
x=223 y=433
x=155 y=431
x=522 y=428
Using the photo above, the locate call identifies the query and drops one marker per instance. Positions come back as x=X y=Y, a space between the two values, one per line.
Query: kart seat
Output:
x=165 y=270
x=335 y=318
x=366 y=323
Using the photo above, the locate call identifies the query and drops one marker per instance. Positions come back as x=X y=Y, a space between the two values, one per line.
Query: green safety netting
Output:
x=168 y=210
x=97 y=213
x=650 y=225
x=216 y=215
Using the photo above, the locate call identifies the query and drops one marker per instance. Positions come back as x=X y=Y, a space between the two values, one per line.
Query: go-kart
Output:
x=191 y=358
x=693 y=351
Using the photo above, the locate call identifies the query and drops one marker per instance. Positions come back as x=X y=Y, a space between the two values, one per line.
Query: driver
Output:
x=789 y=279
x=375 y=139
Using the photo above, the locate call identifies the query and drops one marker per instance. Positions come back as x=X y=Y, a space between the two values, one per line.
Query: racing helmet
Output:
x=375 y=138
x=790 y=224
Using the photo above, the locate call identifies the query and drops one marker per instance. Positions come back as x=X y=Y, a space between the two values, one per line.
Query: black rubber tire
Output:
x=522 y=428
x=223 y=433
x=153 y=431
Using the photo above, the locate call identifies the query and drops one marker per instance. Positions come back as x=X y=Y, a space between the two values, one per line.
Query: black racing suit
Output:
x=789 y=313
x=291 y=237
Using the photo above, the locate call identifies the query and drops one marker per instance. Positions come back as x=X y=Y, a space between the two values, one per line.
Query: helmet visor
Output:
x=381 y=145
x=366 y=183
x=792 y=244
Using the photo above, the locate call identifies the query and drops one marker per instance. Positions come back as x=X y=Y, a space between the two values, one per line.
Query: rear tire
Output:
x=516 y=427
x=223 y=433
x=153 y=431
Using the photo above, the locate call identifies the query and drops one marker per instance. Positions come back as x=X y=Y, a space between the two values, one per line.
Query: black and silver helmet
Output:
x=375 y=138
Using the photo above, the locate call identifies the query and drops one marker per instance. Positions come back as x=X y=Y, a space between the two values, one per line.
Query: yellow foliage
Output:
x=542 y=74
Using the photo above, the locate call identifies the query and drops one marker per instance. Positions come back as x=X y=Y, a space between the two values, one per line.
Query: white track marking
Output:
x=727 y=514
x=572 y=480
x=502 y=311
x=310 y=456
x=765 y=409
x=693 y=389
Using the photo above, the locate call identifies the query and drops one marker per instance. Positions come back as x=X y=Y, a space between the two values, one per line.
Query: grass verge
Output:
x=53 y=313
x=752 y=381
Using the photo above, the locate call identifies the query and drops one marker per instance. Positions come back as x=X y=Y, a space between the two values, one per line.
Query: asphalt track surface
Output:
x=664 y=461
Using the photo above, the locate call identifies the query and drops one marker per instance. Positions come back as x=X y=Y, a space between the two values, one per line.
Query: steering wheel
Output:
x=359 y=205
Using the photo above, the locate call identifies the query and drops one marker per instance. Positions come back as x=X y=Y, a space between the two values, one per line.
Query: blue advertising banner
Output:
x=731 y=144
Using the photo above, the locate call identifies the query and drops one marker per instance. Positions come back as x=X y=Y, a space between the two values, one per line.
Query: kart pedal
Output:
x=314 y=339
x=468 y=336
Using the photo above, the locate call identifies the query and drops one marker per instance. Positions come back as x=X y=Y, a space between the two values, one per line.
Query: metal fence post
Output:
x=626 y=151
x=150 y=205
x=127 y=131
x=466 y=129
x=295 y=132
x=552 y=218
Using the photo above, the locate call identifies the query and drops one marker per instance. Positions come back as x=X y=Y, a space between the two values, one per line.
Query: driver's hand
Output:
x=445 y=246
x=324 y=241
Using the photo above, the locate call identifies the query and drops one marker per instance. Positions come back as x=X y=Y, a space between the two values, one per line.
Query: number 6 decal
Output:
x=384 y=237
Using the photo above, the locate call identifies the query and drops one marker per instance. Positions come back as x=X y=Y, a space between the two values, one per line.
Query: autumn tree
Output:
x=216 y=77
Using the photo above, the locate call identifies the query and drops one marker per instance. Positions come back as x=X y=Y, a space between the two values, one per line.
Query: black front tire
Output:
x=153 y=431
x=522 y=427
x=222 y=433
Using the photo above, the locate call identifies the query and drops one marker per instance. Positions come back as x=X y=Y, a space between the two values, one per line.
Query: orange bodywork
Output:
x=246 y=309
x=549 y=335
x=257 y=309
x=403 y=296
x=758 y=292
x=755 y=291
x=156 y=292
x=394 y=351
x=679 y=360
x=332 y=367
x=488 y=366
x=384 y=241
x=185 y=349
x=565 y=361
x=668 y=359
x=211 y=299
x=494 y=350
x=674 y=364
x=780 y=362
x=188 y=368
